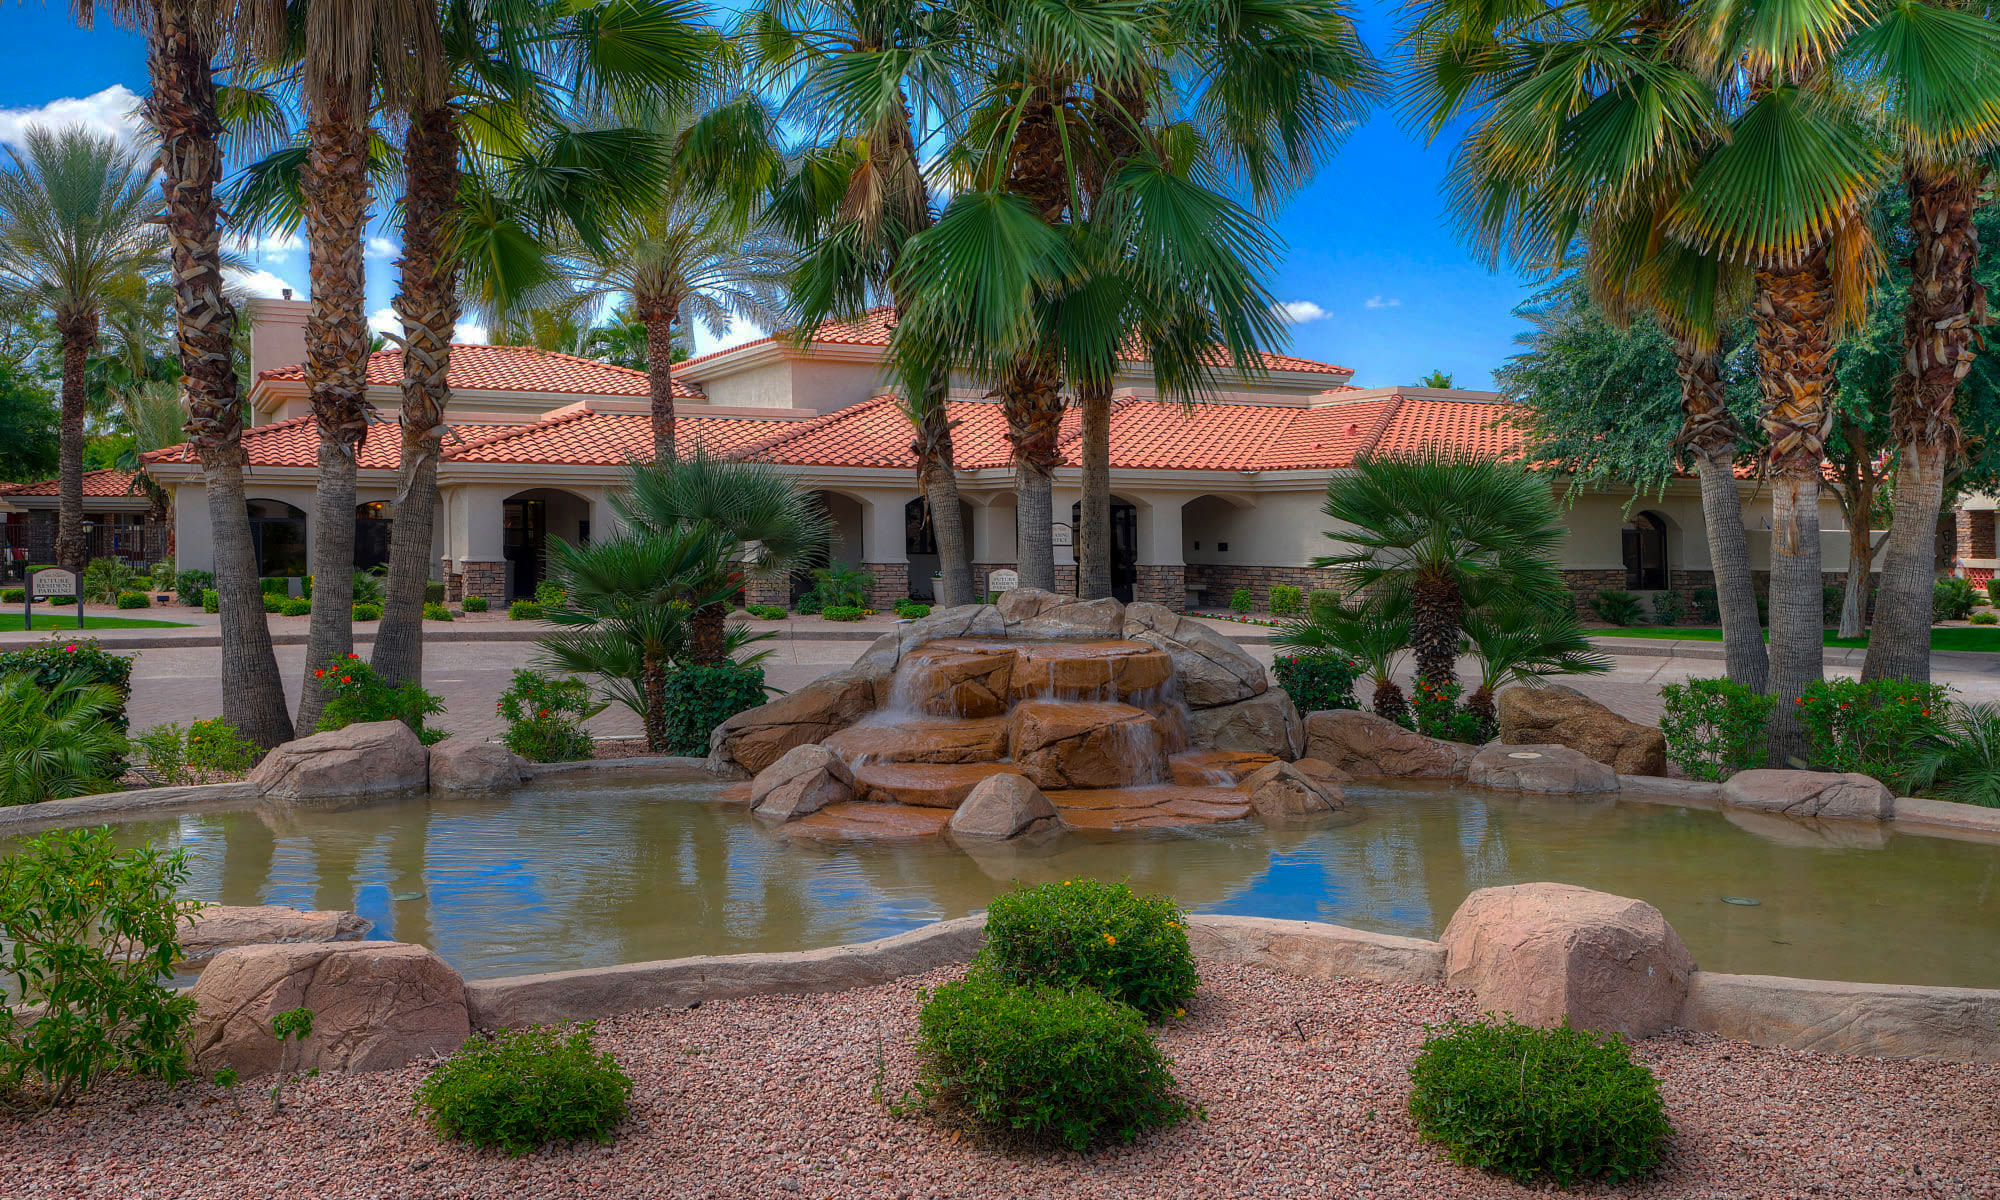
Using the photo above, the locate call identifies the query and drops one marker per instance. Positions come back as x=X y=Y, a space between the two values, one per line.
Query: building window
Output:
x=373 y=524
x=919 y=535
x=1646 y=553
x=278 y=532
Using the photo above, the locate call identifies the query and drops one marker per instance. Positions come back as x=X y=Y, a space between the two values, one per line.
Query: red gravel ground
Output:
x=1304 y=1085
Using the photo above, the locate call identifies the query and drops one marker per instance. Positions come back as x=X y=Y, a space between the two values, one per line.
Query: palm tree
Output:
x=765 y=522
x=79 y=232
x=1374 y=632
x=1441 y=525
x=1524 y=643
x=1436 y=379
x=57 y=741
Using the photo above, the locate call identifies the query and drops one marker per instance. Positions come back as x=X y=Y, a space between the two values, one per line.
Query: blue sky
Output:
x=1367 y=243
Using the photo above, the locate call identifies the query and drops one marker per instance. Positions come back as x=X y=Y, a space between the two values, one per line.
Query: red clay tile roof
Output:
x=475 y=366
x=105 y=484
x=873 y=327
x=595 y=439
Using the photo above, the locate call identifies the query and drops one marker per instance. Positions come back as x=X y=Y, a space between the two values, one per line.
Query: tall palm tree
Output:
x=1444 y=527
x=79 y=232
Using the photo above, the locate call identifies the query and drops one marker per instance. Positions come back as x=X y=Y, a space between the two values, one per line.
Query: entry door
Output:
x=1124 y=550
x=527 y=523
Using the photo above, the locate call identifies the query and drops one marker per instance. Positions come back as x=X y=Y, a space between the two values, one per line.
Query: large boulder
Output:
x=1281 y=790
x=755 y=738
x=213 y=928
x=1084 y=745
x=1549 y=951
x=952 y=680
x=1213 y=670
x=804 y=780
x=1563 y=716
x=1822 y=794
x=903 y=738
x=463 y=765
x=964 y=621
x=1263 y=724
x=1362 y=743
x=372 y=758
x=1004 y=806
x=1033 y=613
x=1544 y=770
x=375 y=1006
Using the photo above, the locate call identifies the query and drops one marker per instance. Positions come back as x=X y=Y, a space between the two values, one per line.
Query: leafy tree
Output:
x=1436 y=379
x=29 y=413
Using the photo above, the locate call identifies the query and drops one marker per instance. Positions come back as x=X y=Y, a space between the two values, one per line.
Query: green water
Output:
x=562 y=875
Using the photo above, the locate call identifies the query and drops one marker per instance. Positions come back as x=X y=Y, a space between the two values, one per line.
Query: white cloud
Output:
x=381 y=247
x=268 y=245
x=1384 y=302
x=259 y=283
x=1298 y=312
x=115 y=111
x=739 y=332
x=468 y=332
x=385 y=320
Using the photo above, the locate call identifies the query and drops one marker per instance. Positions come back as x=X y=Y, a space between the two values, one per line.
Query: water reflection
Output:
x=650 y=867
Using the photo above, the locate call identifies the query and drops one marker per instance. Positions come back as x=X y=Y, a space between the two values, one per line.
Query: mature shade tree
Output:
x=30 y=425
x=79 y=232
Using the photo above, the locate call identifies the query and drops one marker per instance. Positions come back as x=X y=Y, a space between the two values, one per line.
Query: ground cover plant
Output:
x=1568 y=1104
x=526 y=1089
x=355 y=694
x=58 y=739
x=1130 y=946
x=1714 y=727
x=204 y=751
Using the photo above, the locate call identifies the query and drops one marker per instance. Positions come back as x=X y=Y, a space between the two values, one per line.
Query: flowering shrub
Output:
x=436 y=612
x=84 y=658
x=524 y=610
x=274 y=602
x=296 y=606
x=1714 y=727
x=203 y=752
x=355 y=694
x=545 y=718
x=1317 y=682
x=1439 y=715
x=367 y=612
x=1885 y=728
x=1084 y=933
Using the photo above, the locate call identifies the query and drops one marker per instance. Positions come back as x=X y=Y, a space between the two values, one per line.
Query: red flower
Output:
x=320 y=674
x=347 y=679
x=70 y=649
x=354 y=656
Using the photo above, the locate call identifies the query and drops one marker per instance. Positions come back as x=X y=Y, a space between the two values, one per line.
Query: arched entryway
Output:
x=921 y=548
x=1124 y=545
x=1645 y=548
x=844 y=514
x=529 y=521
x=278 y=535
x=373 y=523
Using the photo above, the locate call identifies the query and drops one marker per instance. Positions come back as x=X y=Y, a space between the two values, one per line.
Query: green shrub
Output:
x=1667 y=608
x=189 y=587
x=306 y=585
x=134 y=600
x=1831 y=601
x=211 y=601
x=1439 y=714
x=841 y=612
x=545 y=718
x=1085 y=933
x=355 y=695
x=701 y=698
x=70 y=900
x=296 y=606
x=1885 y=728
x=13 y=596
x=1322 y=600
x=550 y=595
x=85 y=658
x=104 y=578
x=204 y=751
x=524 y=610
x=1616 y=607
x=474 y=604
x=1951 y=599
x=59 y=738
x=1993 y=592
x=1966 y=765
x=1984 y=616
x=1566 y=1103
x=838 y=586
x=433 y=592
x=275 y=587
x=370 y=586
x=1043 y=1064
x=1317 y=682
x=1714 y=727
x=767 y=612
x=274 y=603
x=912 y=610
x=163 y=574
x=436 y=612
x=1240 y=600
x=525 y=1089
x=367 y=612
x=1284 y=600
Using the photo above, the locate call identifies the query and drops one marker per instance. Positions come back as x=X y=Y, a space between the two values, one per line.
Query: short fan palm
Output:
x=1374 y=633
x=1435 y=525
x=1520 y=643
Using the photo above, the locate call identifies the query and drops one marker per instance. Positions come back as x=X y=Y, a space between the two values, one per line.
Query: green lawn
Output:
x=57 y=621
x=1983 y=639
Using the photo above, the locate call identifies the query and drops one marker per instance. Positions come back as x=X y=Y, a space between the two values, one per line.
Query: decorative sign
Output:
x=1003 y=581
x=1061 y=535
x=49 y=581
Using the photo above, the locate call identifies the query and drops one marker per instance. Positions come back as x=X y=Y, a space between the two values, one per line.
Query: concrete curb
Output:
x=1831 y=656
x=1884 y=1020
x=635 y=763
x=82 y=810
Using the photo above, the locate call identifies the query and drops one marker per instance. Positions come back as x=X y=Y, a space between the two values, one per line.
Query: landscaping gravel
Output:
x=1304 y=1085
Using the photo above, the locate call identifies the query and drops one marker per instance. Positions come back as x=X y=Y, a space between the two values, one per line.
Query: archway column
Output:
x=885 y=544
x=1162 y=568
x=476 y=543
x=992 y=534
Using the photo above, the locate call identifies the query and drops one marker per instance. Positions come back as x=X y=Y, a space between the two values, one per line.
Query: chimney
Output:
x=277 y=333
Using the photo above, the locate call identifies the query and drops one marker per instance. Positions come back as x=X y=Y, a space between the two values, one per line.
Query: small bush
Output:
x=58 y=738
x=92 y=937
x=355 y=695
x=1951 y=599
x=1707 y=607
x=104 y=578
x=189 y=586
x=1043 y=1064
x=1993 y=592
x=1317 y=682
x=550 y=595
x=433 y=592
x=1240 y=600
x=1984 y=616
x=1714 y=727
x=1616 y=608
x=700 y=698
x=911 y=610
x=838 y=586
x=524 y=610
x=275 y=587
x=1284 y=600
x=163 y=574
x=1885 y=728
x=134 y=600
x=767 y=612
x=545 y=718
x=83 y=658
x=274 y=603
x=436 y=612
x=211 y=601
x=1439 y=714
x=1966 y=767
x=1667 y=608
x=1566 y=1103
x=474 y=604
x=1084 y=933
x=525 y=1089
x=1322 y=600
x=367 y=612
x=202 y=752
x=296 y=606
x=842 y=612
x=13 y=595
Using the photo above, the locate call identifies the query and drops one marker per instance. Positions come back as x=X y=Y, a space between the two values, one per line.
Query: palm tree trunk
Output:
x=937 y=475
x=180 y=55
x=1794 y=313
x=1857 y=505
x=1436 y=608
x=653 y=683
x=428 y=306
x=1093 y=532
x=707 y=630
x=336 y=208
x=1712 y=435
x=1390 y=704
x=658 y=315
x=78 y=333
x=1032 y=401
x=1938 y=352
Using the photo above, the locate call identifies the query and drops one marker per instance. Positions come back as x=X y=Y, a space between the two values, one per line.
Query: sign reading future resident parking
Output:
x=1003 y=581
x=1061 y=535
x=49 y=581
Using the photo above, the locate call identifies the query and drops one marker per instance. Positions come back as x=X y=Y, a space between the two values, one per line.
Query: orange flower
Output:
x=320 y=674
x=347 y=679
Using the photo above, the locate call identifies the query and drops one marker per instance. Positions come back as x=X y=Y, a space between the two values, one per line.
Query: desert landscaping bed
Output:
x=1303 y=1082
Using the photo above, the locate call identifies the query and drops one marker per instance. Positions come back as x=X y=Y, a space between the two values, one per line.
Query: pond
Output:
x=645 y=865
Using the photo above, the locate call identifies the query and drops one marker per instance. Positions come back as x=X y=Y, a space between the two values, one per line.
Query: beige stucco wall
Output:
x=1280 y=529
